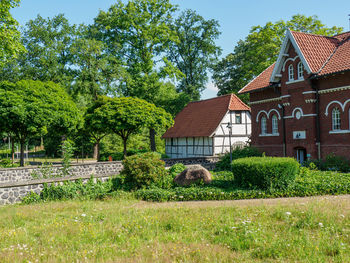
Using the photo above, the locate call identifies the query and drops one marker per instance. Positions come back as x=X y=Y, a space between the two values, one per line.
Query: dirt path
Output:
x=251 y=202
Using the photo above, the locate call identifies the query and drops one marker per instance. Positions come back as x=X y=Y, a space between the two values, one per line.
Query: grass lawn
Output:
x=128 y=230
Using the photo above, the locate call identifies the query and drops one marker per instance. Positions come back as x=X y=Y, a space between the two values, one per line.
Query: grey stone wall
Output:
x=14 y=192
x=207 y=162
x=8 y=175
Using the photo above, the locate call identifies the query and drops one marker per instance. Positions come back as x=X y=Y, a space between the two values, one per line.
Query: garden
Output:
x=251 y=175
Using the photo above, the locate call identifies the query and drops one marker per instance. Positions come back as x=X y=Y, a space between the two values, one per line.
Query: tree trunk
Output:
x=22 y=154
x=124 y=142
x=152 y=139
x=97 y=150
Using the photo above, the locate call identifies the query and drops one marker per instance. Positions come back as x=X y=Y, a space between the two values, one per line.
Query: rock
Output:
x=193 y=174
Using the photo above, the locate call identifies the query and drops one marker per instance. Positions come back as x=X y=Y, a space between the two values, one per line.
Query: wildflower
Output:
x=83 y=215
x=181 y=196
x=320 y=224
x=288 y=213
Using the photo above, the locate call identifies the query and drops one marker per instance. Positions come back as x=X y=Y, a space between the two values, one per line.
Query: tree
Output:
x=28 y=108
x=95 y=125
x=48 y=58
x=260 y=49
x=10 y=44
x=126 y=116
x=194 y=52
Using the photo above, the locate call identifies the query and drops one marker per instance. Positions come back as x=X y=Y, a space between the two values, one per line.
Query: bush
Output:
x=224 y=163
x=176 y=169
x=144 y=170
x=335 y=163
x=265 y=172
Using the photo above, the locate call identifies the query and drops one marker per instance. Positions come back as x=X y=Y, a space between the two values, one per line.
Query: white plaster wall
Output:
x=196 y=147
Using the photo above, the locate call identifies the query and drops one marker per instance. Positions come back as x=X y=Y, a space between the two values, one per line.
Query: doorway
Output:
x=301 y=155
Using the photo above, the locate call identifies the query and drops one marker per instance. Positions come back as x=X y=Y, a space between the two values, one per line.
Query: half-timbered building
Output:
x=300 y=105
x=203 y=128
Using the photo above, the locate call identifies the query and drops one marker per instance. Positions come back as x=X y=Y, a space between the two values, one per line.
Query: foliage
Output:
x=72 y=190
x=45 y=171
x=143 y=170
x=7 y=163
x=67 y=153
x=10 y=45
x=260 y=49
x=224 y=162
x=176 y=169
x=330 y=163
x=126 y=116
x=265 y=172
x=30 y=198
x=194 y=51
x=29 y=108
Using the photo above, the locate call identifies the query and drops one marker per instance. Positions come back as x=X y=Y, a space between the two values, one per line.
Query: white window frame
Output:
x=263 y=125
x=290 y=72
x=238 y=114
x=274 y=124
x=336 y=120
x=300 y=70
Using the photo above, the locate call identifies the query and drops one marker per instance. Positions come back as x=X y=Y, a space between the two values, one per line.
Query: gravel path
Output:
x=345 y=199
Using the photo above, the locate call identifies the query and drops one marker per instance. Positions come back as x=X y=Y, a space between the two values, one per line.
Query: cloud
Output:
x=211 y=86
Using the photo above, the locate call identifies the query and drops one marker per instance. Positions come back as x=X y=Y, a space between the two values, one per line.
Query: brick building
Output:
x=300 y=105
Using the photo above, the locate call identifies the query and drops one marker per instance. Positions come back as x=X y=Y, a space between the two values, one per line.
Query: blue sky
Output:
x=236 y=17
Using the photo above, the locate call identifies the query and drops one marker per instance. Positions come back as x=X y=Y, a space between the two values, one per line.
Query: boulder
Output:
x=193 y=174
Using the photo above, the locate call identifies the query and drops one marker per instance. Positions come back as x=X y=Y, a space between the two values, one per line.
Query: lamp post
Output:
x=229 y=126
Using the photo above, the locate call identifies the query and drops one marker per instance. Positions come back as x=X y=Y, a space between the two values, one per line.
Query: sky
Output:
x=236 y=17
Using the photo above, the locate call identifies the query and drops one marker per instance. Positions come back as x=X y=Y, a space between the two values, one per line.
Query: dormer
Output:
x=290 y=63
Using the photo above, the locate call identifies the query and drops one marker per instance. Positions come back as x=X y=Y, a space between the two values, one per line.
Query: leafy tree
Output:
x=260 y=49
x=48 y=43
x=10 y=44
x=126 y=116
x=95 y=125
x=194 y=51
x=28 y=108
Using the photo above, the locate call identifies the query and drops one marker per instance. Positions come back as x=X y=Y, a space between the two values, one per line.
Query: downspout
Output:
x=318 y=122
x=284 y=132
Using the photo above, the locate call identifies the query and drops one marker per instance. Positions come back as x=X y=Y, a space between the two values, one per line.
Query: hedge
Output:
x=265 y=172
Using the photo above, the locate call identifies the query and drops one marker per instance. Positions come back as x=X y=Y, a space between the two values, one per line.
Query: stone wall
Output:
x=207 y=162
x=20 y=174
x=15 y=183
x=13 y=192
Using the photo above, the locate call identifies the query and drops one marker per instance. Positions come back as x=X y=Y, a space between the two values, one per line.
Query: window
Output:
x=263 y=125
x=300 y=70
x=238 y=118
x=291 y=72
x=335 y=119
x=274 y=124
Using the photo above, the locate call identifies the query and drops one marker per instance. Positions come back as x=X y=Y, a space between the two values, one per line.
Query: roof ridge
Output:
x=209 y=98
x=313 y=34
x=347 y=32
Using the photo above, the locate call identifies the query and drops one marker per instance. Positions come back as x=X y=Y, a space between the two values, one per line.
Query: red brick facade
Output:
x=303 y=107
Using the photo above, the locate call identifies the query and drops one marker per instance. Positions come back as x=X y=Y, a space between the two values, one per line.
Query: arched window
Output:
x=300 y=70
x=263 y=125
x=274 y=124
x=291 y=72
x=336 y=119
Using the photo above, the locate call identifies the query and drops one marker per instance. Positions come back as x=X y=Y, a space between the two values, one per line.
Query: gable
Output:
x=288 y=43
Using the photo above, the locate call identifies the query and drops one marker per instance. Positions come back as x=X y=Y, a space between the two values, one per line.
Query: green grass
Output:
x=122 y=229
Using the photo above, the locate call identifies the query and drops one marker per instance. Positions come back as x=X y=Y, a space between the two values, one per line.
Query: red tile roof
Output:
x=201 y=118
x=324 y=55
x=260 y=82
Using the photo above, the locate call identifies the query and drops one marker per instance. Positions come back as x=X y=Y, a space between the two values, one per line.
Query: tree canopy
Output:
x=10 y=44
x=260 y=49
x=28 y=108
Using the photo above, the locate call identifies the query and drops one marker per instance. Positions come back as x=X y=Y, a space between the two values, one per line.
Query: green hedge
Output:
x=265 y=172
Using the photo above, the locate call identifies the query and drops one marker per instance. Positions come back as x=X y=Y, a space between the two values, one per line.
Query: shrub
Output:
x=176 y=169
x=30 y=198
x=143 y=170
x=265 y=172
x=335 y=163
x=224 y=163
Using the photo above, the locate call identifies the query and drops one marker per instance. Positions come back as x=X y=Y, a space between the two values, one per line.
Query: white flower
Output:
x=320 y=224
x=181 y=196
x=288 y=213
x=83 y=215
